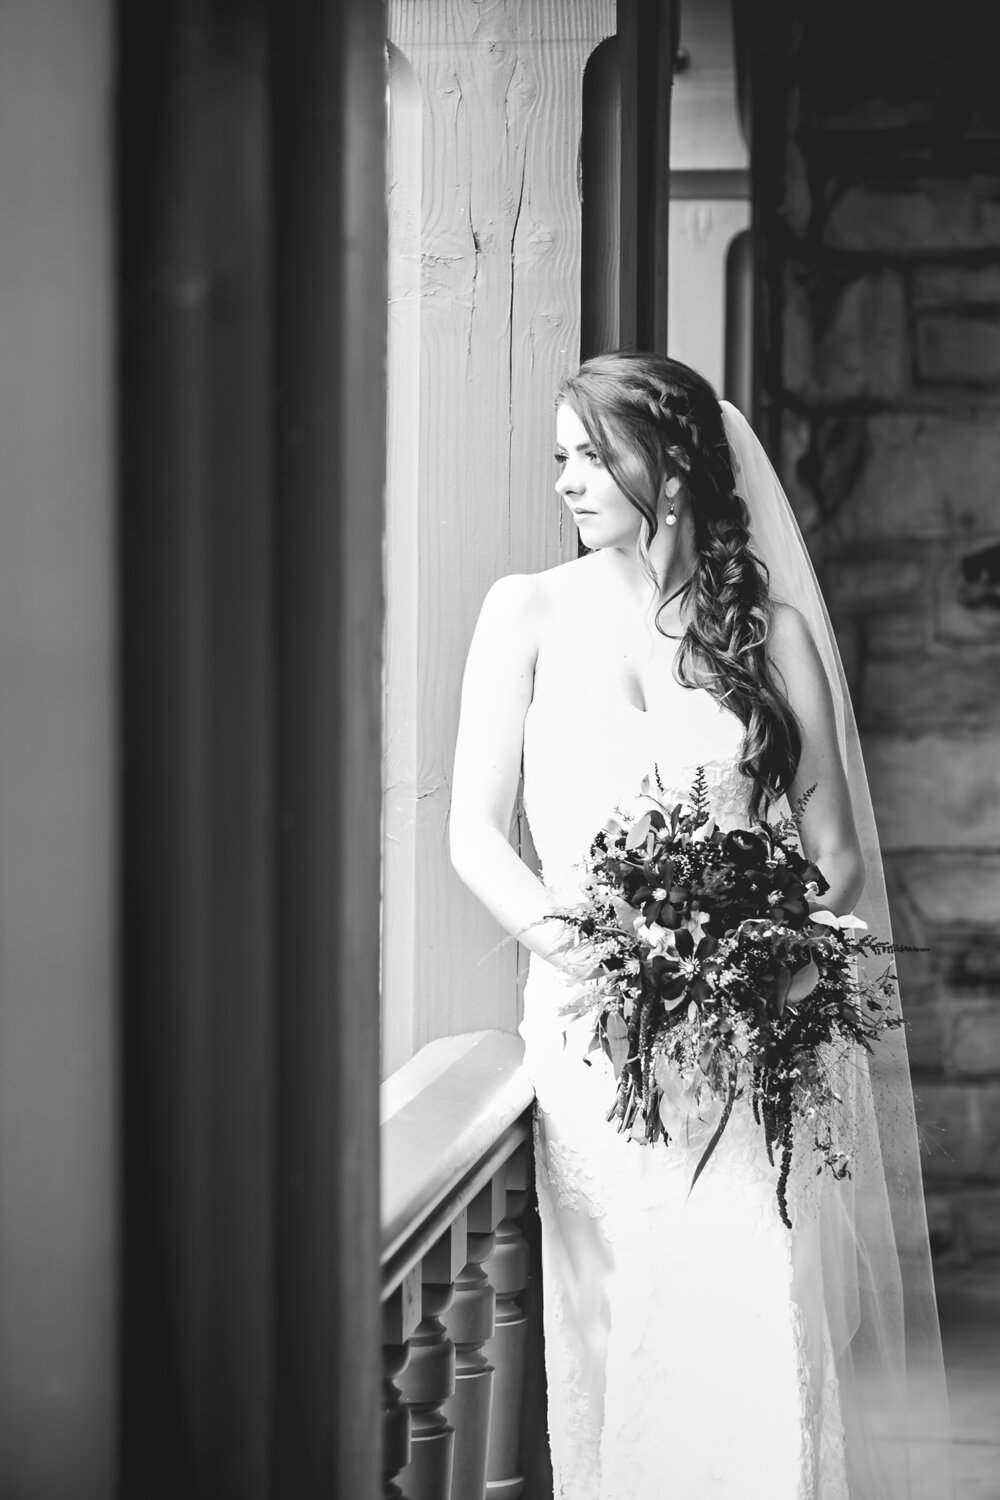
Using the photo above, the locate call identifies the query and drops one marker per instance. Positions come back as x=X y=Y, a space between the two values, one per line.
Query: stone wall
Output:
x=881 y=251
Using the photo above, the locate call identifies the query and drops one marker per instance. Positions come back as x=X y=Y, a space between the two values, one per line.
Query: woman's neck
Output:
x=672 y=557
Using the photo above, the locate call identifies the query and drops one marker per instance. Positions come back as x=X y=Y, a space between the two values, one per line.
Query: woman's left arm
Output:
x=829 y=835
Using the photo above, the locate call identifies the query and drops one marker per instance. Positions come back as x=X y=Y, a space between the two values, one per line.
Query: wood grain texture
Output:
x=401 y=707
x=500 y=248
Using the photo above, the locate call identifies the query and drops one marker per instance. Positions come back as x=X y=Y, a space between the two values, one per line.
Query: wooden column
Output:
x=646 y=46
x=329 y=229
x=487 y=110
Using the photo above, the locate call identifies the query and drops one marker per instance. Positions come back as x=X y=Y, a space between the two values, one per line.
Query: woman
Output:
x=695 y=1347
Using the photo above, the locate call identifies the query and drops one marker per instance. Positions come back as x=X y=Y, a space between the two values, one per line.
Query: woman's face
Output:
x=604 y=516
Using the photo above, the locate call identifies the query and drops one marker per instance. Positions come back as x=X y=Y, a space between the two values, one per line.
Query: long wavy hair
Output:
x=651 y=418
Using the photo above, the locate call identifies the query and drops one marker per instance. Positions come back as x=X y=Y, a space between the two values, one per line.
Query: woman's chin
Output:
x=592 y=533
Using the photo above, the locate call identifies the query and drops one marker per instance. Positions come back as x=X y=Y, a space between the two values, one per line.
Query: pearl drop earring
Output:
x=670 y=489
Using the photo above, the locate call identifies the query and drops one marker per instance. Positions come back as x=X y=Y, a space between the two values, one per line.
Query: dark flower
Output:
x=746 y=850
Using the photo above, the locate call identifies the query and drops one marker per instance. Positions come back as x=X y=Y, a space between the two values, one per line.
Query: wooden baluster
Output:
x=429 y=1379
x=400 y=1318
x=395 y=1420
x=470 y=1323
x=507 y=1269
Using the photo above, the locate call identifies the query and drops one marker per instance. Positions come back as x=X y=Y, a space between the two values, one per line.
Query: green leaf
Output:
x=616 y=1036
x=637 y=833
x=803 y=982
x=782 y=984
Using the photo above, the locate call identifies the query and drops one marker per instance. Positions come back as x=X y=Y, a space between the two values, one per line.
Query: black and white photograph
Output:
x=499 y=750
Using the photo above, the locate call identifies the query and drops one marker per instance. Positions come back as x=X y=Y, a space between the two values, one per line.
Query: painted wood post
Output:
x=485 y=319
x=401 y=1315
x=472 y=1323
x=395 y=1420
x=507 y=1269
x=427 y=1383
x=430 y=1381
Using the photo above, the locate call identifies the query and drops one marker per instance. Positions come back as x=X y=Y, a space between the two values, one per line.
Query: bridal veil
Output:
x=877 y=1282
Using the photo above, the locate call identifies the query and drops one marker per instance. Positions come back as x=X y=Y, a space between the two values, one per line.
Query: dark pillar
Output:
x=329 y=327
x=646 y=48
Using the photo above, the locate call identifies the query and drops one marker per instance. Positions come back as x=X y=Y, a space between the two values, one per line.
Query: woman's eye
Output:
x=593 y=456
x=560 y=459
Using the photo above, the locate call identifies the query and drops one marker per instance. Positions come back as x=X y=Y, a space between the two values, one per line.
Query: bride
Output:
x=694 y=1345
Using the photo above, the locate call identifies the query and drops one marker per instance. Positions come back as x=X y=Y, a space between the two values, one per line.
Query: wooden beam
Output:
x=646 y=43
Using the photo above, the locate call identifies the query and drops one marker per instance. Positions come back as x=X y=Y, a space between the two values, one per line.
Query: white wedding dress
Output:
x=687 y=1350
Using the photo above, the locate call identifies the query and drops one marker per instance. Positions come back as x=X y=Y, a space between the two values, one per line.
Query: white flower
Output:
x=828 y=919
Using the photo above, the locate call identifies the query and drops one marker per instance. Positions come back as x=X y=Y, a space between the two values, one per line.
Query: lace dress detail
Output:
x=687 y=1352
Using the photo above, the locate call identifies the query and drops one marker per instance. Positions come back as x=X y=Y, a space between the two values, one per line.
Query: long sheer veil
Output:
x=878 y=1285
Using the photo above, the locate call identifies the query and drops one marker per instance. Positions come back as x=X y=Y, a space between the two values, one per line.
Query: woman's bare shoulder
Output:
x=538 y=592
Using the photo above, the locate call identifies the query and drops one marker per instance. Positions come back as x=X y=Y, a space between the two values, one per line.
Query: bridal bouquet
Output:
x=719 y=977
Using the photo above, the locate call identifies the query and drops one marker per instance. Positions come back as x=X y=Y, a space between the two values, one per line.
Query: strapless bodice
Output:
x=585 y=760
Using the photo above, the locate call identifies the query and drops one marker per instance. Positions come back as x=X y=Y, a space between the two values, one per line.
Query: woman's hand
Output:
x=575 y=959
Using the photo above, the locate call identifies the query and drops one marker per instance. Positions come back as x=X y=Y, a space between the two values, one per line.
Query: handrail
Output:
x=450 y=1116
x=456 y=1181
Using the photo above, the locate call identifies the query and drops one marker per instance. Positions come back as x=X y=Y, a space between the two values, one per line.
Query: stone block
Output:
x=848 y=340
x=973 y=1045
x=967 y=600
x=898 y=216
x=870 y=115
x=980 y=1214
x=796 y=207
x=944 y=1226
x=796 y=334
x=924 y=1030
x=953 y=287
x=898 y=632
x=893 y=475
x=904 y=216
x=935 y=790
x=950 y=887
x=794 y=440
x=967 y=958
x=867 y=580
x=959 y=1127
x=958 y=349
x=948 y=688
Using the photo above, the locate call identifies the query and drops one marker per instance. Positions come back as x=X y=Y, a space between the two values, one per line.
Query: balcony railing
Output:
x=456 y=1179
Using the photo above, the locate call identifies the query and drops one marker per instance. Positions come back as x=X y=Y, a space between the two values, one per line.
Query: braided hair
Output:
x=650 y=419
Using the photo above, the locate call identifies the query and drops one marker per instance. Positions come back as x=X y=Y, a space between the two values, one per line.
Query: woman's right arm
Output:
x=496 y=691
